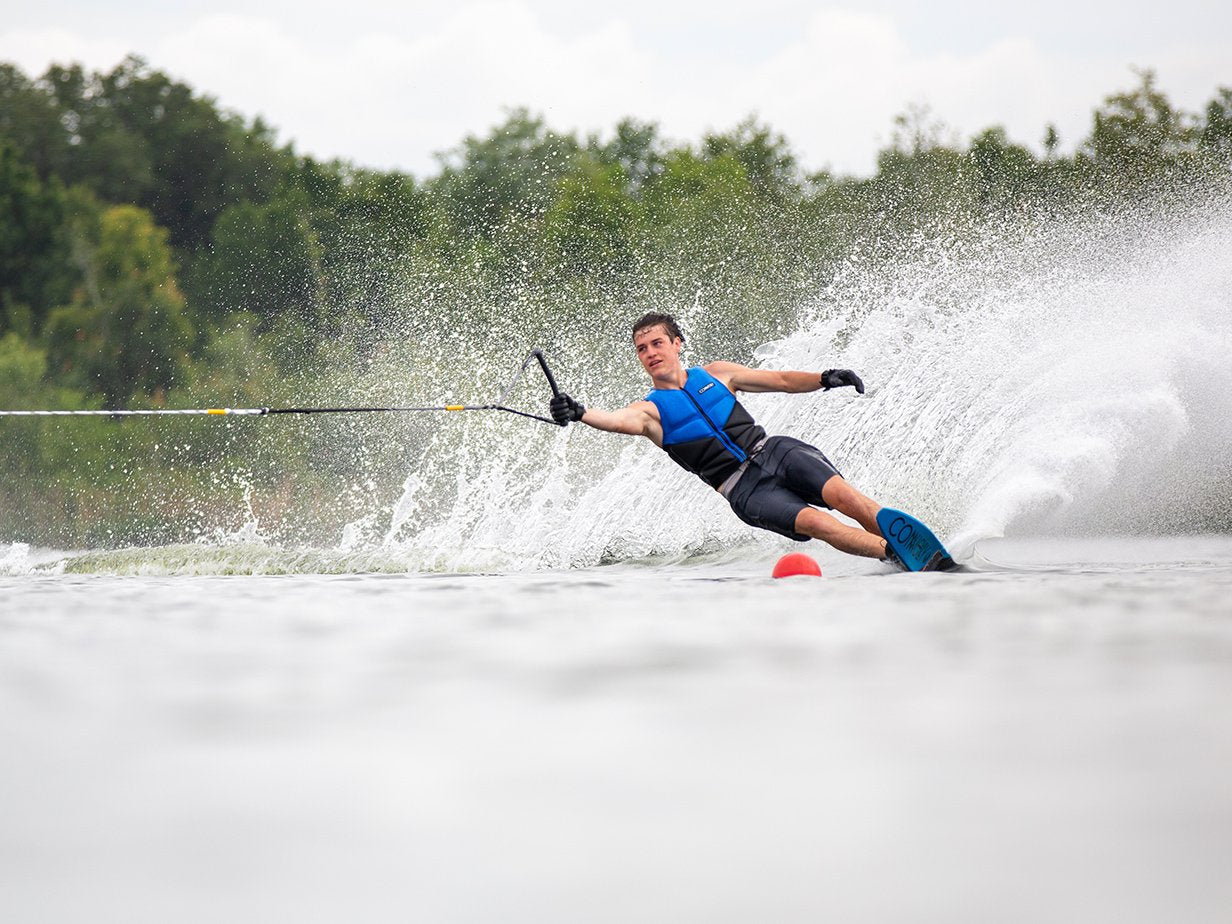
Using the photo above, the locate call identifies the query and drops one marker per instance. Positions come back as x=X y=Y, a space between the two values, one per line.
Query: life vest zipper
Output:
x=722 y=437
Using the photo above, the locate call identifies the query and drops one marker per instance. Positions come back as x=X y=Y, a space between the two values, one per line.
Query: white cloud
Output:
x=390 y=91
x=33 y=50
x=835 y=90
x=390 y=99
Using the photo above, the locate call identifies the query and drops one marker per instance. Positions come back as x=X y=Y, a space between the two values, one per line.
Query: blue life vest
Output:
x=705 y=429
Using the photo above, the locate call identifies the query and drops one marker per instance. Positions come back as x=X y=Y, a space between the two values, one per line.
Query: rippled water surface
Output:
x=1049 y=742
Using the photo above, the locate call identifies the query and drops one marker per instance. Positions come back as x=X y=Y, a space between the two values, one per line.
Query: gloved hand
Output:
x=837 y=378
x=565 y=409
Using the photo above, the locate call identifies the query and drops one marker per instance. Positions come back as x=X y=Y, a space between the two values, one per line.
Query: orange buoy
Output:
x=796 y=564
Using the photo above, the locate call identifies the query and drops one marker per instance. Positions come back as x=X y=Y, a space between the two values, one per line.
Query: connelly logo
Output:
x=702 y=390
x=901 y=530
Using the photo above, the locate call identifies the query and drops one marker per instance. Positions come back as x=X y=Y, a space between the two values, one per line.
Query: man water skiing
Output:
x=774 y=483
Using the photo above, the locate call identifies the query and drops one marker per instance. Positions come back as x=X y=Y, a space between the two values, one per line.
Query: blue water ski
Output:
x=910 y=544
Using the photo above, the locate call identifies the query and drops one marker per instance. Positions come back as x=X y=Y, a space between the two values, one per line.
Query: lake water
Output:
x=525 y=674
x=1048 y=739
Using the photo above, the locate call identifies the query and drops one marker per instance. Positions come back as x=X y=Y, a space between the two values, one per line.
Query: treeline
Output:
x=157 y=250
x=140 y=220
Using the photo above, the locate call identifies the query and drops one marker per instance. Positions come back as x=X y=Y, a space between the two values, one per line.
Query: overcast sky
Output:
x=388 y=84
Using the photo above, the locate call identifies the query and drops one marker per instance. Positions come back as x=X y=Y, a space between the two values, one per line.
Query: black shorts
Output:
x=783 y=478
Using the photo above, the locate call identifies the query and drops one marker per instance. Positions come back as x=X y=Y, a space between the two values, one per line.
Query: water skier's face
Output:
x=658 y=351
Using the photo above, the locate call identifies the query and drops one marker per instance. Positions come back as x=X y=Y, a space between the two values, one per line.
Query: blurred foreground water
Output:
x=1047 y=741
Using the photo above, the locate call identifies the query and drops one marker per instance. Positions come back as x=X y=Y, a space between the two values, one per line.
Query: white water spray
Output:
x=1054 y=379
x=1062 y=379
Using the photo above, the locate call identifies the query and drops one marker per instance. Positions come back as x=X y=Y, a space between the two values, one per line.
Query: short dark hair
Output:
x=654 y=319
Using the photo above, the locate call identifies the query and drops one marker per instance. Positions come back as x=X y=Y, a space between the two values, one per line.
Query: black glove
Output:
x=565 y=409
x=837 y=378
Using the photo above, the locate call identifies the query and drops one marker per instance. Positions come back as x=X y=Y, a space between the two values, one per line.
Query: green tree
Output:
x=23 y=384
x=1217 y=130
x=30 y=121
x=1004 y=173
x=385 y=208
x=636 y=148
x=1138 y=134
x=690 y=187
x=921 y=177
x=767 y=159
x=96 y=150
x=266 y=260
x=35 y=272
x=376 y=222
x=318 y=252
x=135 y=135
x=125 y=330
x=592 y=223
x=1052 y=141
x=510 y=174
